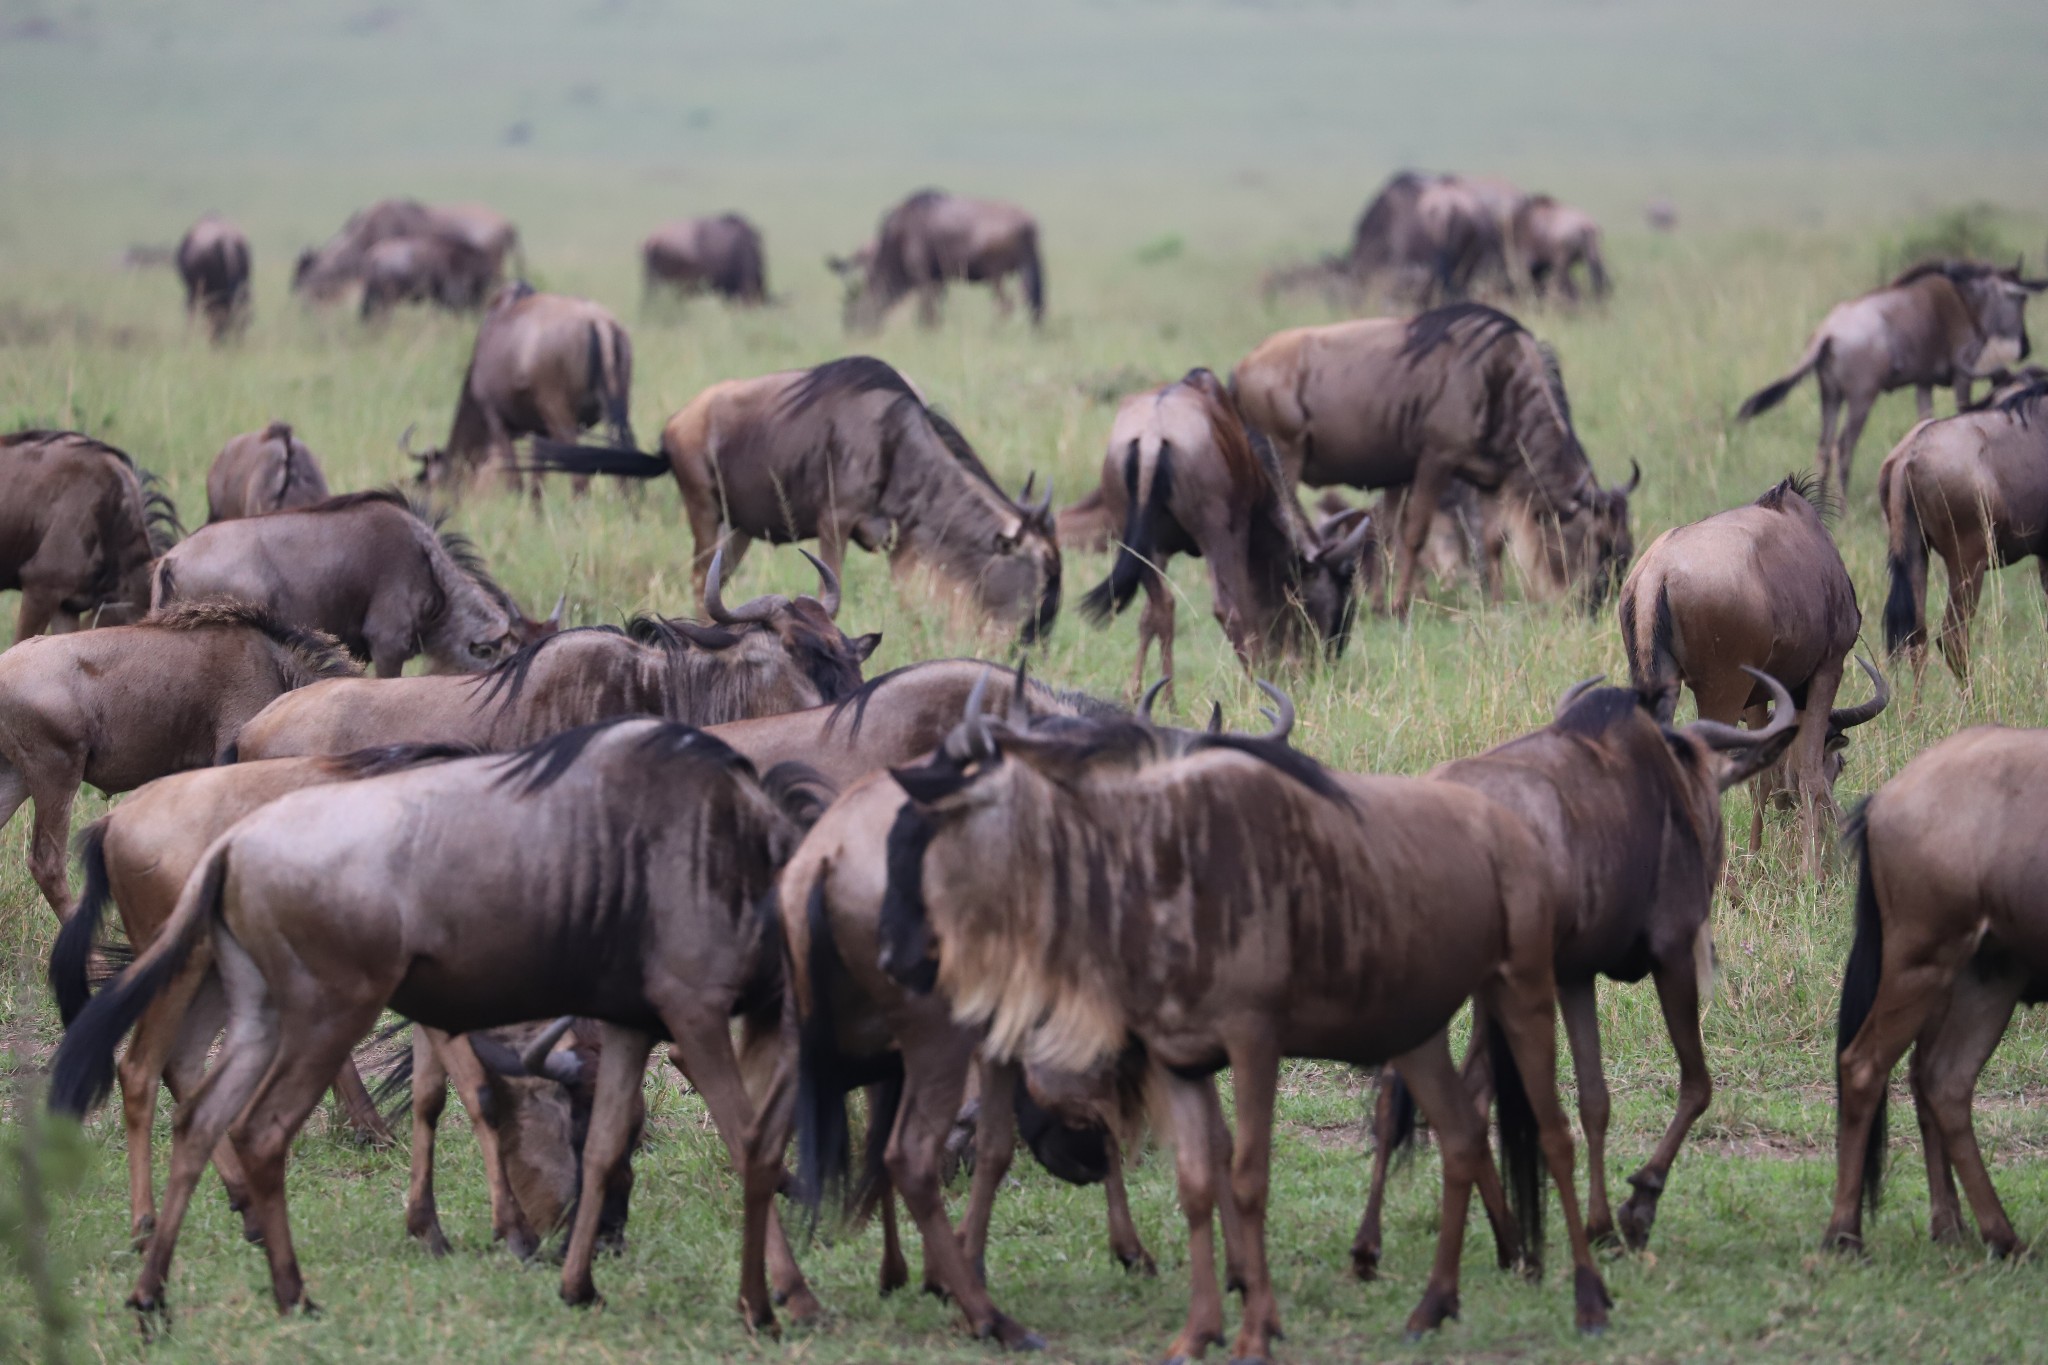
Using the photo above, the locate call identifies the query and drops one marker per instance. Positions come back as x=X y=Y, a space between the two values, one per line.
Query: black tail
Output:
x=611 y=384
x=1770 y=395
x=824 y=1077
x=1860 y=981
x=1906 y=601
x=1078 y=1156
x=1400 y=1134
x=1034 y=280
x=392 y=1094
x=71 y=957
x=566 y=457
x=1652 y=666
x=1137 y=554
x=1521 y=1143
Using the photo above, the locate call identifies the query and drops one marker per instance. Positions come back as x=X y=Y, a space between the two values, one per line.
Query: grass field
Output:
x=1172 y=153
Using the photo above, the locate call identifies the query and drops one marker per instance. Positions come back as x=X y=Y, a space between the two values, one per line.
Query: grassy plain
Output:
x=1172 y=153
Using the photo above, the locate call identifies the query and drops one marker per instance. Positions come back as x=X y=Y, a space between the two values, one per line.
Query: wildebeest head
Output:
x=474 y=623
x=1834 y=755
x=1327 y=588
x=1021 y=576
x=1598 y=544
x=1997 y=300
x=538 y=1105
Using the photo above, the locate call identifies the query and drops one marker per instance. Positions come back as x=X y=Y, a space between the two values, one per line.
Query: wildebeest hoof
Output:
x=152 y=1315
x=522 y=1244
x=1365 y=1263
x=305 y=1308
x=1013 y=1335
x=1589 y=1293
x=1138 y=1262
x=139 y=1238
x=1843 y=1243
x=938 y=1291
x=585 y=1296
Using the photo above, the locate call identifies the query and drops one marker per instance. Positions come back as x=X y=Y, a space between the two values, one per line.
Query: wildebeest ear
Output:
x=931 y=783
x=863 y=646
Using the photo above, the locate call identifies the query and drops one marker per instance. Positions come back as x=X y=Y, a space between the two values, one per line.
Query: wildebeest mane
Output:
x=1278 y=755
x=1955 y=270
x=1376 y=220
x=160 y=522
x=848 y=377
x=801 y=791
x=315 y=653
x=459 y=547
x=393 y=758
x=503 y=682
x=1806 y=485
x=1067 y=699
x=540 y=765
x=1596 y=711
x=2026 y=403
x=1472 y=327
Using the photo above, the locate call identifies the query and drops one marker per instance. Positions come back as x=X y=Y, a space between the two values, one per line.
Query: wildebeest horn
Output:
x=1635 y=476
x=758 y=609
x=555 y=616
x=1151 y=695
x=405 y=441
x=1215 y=718
x=1020 y=715
x=1042 y=509
x=1283 y=719
x=1783 y=717
x=1848 y=717
x=535 y=1059
x=828 y=583
x=1355 y=540
x=1577 y=690
x=1029 y=479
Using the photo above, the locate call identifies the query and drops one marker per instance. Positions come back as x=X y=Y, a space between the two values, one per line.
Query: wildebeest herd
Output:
x=978 y=898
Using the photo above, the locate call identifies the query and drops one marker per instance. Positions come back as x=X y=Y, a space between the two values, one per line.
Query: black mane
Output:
x=502 y=683
x=1472 y=327
x=1806 y=485
x=847 y=377
x=542 y=764
x=1596 y=711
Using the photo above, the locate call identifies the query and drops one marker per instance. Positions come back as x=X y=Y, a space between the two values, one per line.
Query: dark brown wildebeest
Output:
x=1438 y=235
x=79 y=526
x=263 y=471
x=1942 y=322
x=1551 y=240
x=847 y=451
x=463 y=906
x=1974 y=489
x=367 y=568
x=1458 y=392
x=544 y=365
x=121 y=706
x=440 y=269
x=1629 y=812
x=1758 y=587
x=1184 y=475
x=1191 y=926
x=762 y=657
x=932 y=238
x=213 y=261
x=1949 y=937
x=322 y=273
x=721 y=253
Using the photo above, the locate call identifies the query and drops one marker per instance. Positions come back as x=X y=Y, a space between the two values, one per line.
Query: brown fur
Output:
x=933 y=238
x=480 y=237
x=263 y=471
x=213 y=261
x=79 y=527
x=721 y=253
x=442 y=270
x=1552 y=241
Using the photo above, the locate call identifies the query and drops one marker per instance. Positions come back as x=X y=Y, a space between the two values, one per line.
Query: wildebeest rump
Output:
x=933 y=238
x=438 y=269
x=450 y=893
x=120 y=706
x=721 y=253
x=1942 y=322
x=367 y=568
x=213 y=261
x=79 y=527
x=1459 y=392
x=1552 y=241
x=263 y=471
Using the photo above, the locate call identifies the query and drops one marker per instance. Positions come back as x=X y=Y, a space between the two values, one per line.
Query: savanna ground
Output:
x=1173 y=154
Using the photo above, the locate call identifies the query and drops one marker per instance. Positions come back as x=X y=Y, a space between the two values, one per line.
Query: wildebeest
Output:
x=79 y=527
x=932 y=238
x=213 y=261
x=440 y=269
x=448 y=892
x=1437 y=235
x=120 y=706
x=1231 y=908
x=325 y=272
x=485 y=229
x=367 y=568
x=263 y=471
x=1758 y=587
x=1949 y=937
x=1551 y=240
x=1974 y=489
x=1941 y=322
x=544 y=365
x=846 y=451
x=721 y=253
x=1458 y=392
x=1184 y=475
x=1629 y=813
x=763 y=657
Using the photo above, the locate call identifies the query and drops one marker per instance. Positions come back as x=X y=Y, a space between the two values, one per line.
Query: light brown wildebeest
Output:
x=485 y=229
x=544 y=365
x=932 y=238
x=325 y=272
x=463 y=905
x=213 y=261
x=121 y=706
x=1551 y=240
x=1756 y=588
x=79 y=526
x=440 y=269
x=721 y=253
x=1184 y=475
x=847 y=451
x=263 y=471
x=1942 y=322
x=1413 y=403
x=367 y=568
x=1974 y=489
x=1949 y=937
x=1231 y=908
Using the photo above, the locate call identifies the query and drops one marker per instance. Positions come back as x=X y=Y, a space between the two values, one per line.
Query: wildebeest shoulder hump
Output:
x=318 y=652
x=1597 y=711
x=542 y=764
x=1472 y=327
x=392 y=758
x=849 y=376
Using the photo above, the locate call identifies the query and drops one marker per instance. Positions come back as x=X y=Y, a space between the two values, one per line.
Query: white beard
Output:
x=1999 y=353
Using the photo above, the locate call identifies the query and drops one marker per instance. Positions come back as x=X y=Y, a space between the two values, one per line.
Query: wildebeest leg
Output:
x=38 y=605
x=620 y=1068
x=1255 y=1073
x=457 y=1060
x=1124 y=1242
x=1963 y=385
x=1003 y=305
x=1188 y=1105
x=1155 y=623
x=1461 y=1135
x=1220 y=1148
x=355 y=1105
x=1852 y=431
x=1944 y=1209
x=995 y=1147
x=1923 y=400
x=1979 y=1011
x=1806 y=766
x=1966 y=564
x=170 y=1044
x=895 y=1271
x=1577 y=1003
x=1423 y=496
x=48 y=857
x=928 y=297
x=561 y=425
x=429 y=1099
x=761 y=1171
x=1678 y=993
x=1830 y=417
x=1365 y=1245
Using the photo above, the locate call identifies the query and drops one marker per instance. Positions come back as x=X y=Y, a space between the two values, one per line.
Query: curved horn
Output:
x=1635 y=476
x=1029 y=479
x=1019 y=717
x=1040 y=510
x=980 y=744
x=534 y=1059
x=1354 y=543
x=1575 y=691
x=405 y=441
x=1783 y=717
x=1848 y=717
x=563 y=1068
x=555 y=616
x=759 y=609
x=1215 y=726
x=1151 y=695
x=1283 y=720
x=828 y=583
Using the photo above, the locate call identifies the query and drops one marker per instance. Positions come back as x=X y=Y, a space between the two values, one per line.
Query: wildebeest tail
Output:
x=1906 y=600
x=566 y=457
x=1400 y=1134
x=1034 y=277
x=825 y=1076
x=1652 y=657
x=71 y=955
x=1137 y=553
x=1772 y=394
x=1521 y=1143
x=1076 y=1155
x=1860 y=982
x=83 y=1070
x=610 y=378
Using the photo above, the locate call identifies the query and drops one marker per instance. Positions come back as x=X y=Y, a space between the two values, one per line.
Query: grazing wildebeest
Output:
x=1942 y=322
x=324 y=272
x=760 y=658
x=1949 y=937
x=544 y=365
x=721 y=253
x=441 y=270
x=484 y=228
x=1233 y=907
x=367 y=568
x=213 y=261
x=1551 y=240
x=1183 y=475
x=932 y=238
x=1974 y=488
x=263 y=471
x=79 y=527
x=120 y=706
x=1448 y=230
x=1629 y=812
x=1458 y=392
x=847 y=451
x=1758 y=587
x=451 y=893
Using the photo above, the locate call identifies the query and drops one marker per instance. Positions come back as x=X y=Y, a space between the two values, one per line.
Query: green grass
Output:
x=1173 y=155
